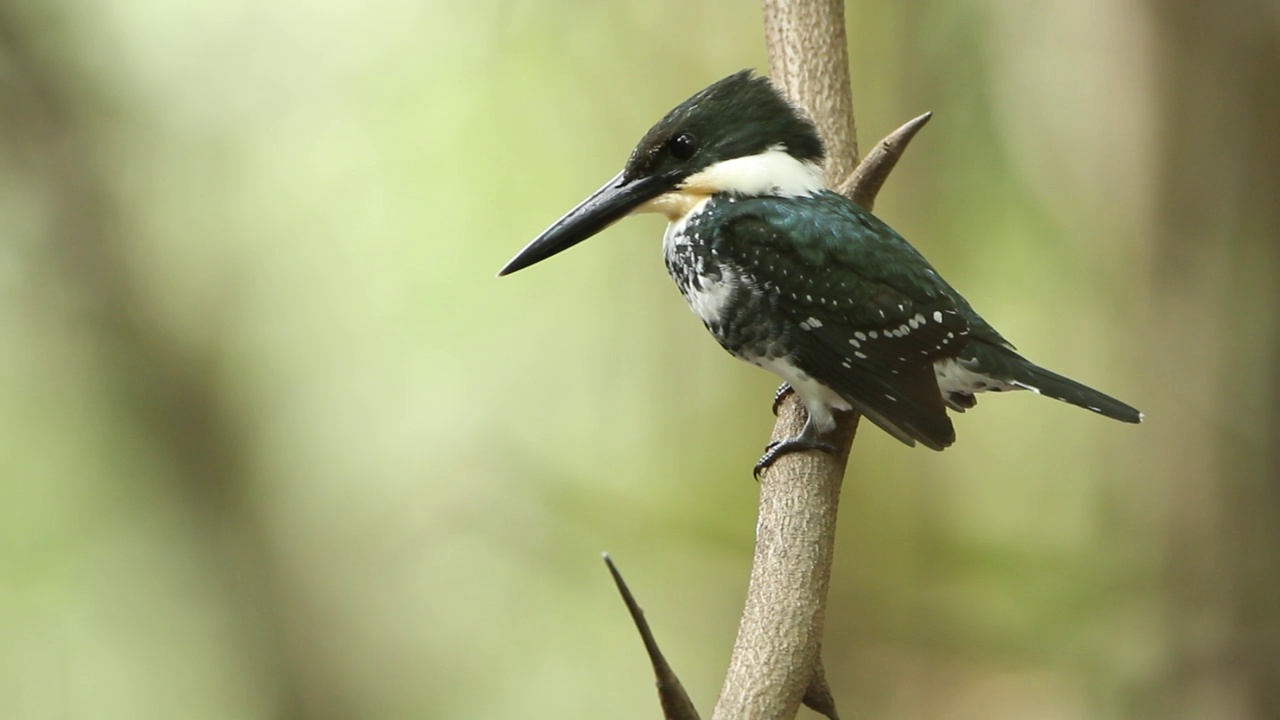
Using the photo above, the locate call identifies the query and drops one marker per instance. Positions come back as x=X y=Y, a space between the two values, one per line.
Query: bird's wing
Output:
x=869 y=315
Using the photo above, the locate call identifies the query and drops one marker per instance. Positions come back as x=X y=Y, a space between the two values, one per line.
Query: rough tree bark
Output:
x=776 y=661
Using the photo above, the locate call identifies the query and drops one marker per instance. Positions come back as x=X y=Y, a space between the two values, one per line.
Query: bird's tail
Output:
x=1050 y=384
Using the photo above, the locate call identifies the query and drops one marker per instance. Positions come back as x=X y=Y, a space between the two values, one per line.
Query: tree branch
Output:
x=809 y=62
x=864 y=184
x=776 y=661
x=676 y=704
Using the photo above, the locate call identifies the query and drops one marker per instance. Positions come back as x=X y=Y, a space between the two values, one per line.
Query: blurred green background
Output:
x=276 y=443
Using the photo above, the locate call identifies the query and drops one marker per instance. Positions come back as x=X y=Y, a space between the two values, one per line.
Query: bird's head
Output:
x=738 y=136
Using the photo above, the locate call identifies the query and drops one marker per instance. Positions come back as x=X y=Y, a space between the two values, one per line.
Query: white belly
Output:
x=818 y=399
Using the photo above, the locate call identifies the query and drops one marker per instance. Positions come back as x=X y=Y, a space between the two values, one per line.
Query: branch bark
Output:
x=809 y=62
x=776 y=661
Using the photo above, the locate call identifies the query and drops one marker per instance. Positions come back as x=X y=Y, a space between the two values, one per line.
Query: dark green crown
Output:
x=738 y=116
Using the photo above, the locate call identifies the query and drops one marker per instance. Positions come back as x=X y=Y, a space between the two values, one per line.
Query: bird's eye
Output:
x=682 y=146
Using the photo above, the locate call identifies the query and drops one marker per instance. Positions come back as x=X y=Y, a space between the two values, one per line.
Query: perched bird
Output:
x=800 y=280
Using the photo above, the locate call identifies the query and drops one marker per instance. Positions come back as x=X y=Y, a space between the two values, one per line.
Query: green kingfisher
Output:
x=802 y=281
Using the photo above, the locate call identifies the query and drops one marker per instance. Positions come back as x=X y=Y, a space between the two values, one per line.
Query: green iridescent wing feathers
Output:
x=871 y=314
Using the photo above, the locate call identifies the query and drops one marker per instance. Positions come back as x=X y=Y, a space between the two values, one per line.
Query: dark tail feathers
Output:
x=1050 y=384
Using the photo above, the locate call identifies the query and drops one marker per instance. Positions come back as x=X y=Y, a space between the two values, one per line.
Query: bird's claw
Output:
x=784 y=390
x=778 y=448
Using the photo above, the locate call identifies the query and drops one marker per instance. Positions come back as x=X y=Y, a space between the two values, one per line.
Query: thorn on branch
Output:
x=817 y=696
x=865 y=182
x=676 y=704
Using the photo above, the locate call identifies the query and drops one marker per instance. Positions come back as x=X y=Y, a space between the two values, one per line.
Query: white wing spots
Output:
x=810 y=323
x=808 y=298
x=872 y=334
x=891 y=397
x=772 y=172
x=859 y=354
x=854 y=343
x=937 y=316
x=845 y=364
x=1025 y=386
x=859 y=335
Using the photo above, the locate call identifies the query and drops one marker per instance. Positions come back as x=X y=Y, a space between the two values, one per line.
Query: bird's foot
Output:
x=783 y=391
x=808 y=439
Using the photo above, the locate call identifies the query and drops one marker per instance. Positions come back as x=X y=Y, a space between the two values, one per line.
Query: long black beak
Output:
x=606 y=206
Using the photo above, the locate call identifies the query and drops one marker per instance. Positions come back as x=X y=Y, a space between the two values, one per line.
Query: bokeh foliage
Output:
x=276 y=443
